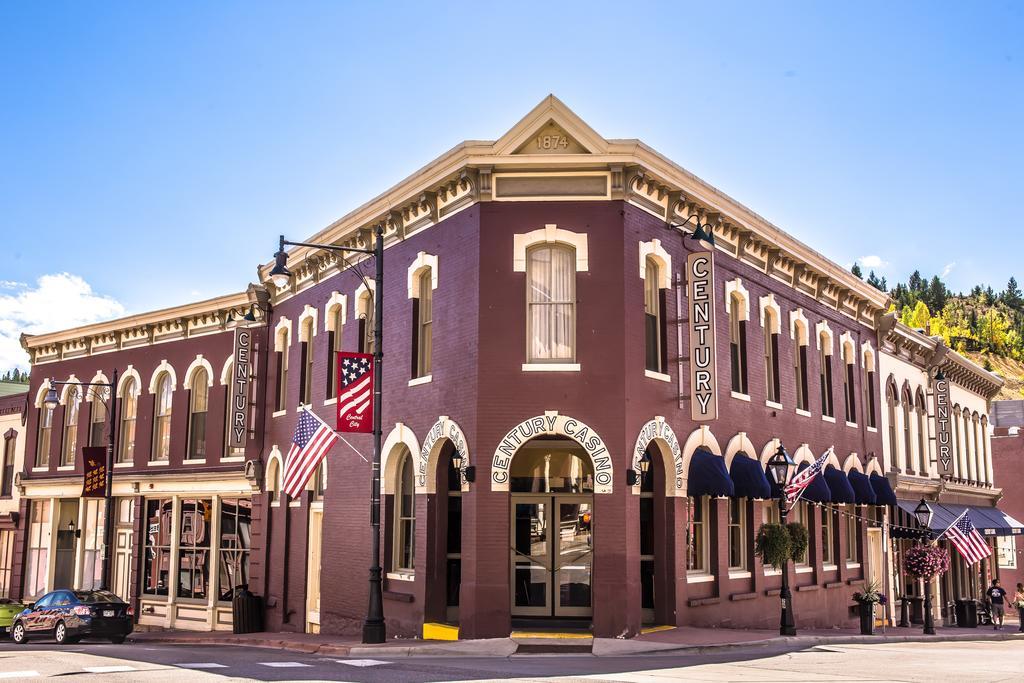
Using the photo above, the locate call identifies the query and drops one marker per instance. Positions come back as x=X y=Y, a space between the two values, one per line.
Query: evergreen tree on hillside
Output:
x=937 y=295
x=855 y=269
x=1012 y=295
x=875 y=282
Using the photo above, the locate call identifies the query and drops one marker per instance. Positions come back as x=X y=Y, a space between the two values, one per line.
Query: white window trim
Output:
x=194 y=366
x=768 y=303
x=308 y=313
x=847 y=339
x=279 y=413
x=551 y=367
x=282 y=324
x=160 y=369
x=549 y=234
x=773 y=404
x=423 y=260
x=736 y=287
x=401 y=576
x=425 y=379
x=804 y=569
x=739 y=396
x=337 y=299
x=660 y=376
x=795 y=317
x=657 y=252
x=822 y=327
x=739 y=574
x=771 y=571
x=803 y=413
x=363 y=291
x=828 y=418
x=699 y=576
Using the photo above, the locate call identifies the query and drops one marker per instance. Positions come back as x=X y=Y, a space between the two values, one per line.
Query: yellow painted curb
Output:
x=440 y=632
x=551 y=634
x=655 y=629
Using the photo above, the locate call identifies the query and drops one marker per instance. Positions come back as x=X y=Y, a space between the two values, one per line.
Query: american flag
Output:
x=313 y=438
x=799 y=483
x=967 y=540
x=355 y=404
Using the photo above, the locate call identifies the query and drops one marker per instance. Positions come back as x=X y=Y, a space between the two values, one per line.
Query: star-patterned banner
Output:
x=355 y=404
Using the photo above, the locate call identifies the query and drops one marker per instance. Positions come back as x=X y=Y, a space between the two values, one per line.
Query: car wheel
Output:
x=18 y=633
x=117 y=640
x=60 y=633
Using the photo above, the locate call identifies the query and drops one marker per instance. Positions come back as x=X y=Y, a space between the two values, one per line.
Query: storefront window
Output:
x=6 y=562
x=737 y=533
x=38 y=561
x=696 y=536
x=1006 y=552
x=157 y=562
x=194 y=548
x=235 y=525
x=92 y=543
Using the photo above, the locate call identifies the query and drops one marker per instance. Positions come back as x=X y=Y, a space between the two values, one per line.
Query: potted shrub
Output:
x=866 y=601
x=798 y=540
x=773 y=544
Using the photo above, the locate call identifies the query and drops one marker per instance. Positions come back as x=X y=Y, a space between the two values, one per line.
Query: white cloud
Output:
x=872 y=261
x=948 y=269
x=56 y=302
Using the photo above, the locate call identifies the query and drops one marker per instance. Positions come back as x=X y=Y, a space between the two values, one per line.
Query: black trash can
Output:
x=966 y=613
x=246 y=612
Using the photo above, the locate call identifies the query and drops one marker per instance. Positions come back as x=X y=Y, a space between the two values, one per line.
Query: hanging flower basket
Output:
x=926 y=561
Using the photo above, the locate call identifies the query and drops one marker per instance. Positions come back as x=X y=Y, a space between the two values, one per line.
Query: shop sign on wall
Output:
x=700 y=275
x=943 y=428
x=238 y=405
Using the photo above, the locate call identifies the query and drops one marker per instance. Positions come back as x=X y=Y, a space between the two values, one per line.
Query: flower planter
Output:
x=866 y=610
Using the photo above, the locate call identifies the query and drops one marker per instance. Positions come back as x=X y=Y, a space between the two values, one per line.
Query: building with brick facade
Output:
x=13 y=405
x=1008 y=468
x=610 y=387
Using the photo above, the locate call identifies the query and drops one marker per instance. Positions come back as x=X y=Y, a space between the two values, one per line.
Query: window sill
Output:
x=275 y=503
x=234 y=458
x=773 y=404
x=872 y=429
x=304 y=406
x=158 y=463
x=739 y=396
x=807 y=569
x=660 y=376
x=123 y=465
x=804 y=413
x=40 y=469
x=331 y=401
x=771 y=571
x=700 y=577
x=279 y=413
x=853 y=565
x=551 y=367
x=401 y=576
x=739 y=574
x=194 y=461
x=851 y=424
x=66 y=468
x=425 y=379
x=295 y=503
x=829 y=567
x=828 y=418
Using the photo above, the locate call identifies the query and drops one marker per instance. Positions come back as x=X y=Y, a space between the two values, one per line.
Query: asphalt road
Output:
x=949 y=661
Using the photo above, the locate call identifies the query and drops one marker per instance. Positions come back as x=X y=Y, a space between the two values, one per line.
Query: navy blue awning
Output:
x=749 y=478
x=839 y=485
x=989 y=521
x=708 y=476
x=817 y=491
x=883 y=491
x=862 y=488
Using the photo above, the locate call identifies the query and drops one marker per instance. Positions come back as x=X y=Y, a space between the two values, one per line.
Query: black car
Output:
x=68 y=616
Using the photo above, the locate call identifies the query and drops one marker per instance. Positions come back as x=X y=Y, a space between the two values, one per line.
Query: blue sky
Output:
x=155 y=152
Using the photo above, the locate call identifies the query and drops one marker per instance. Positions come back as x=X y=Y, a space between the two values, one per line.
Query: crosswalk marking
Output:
x=281 y=665
x=108 y=669
x=361 y=662
x=18 y=674
x=199 y=665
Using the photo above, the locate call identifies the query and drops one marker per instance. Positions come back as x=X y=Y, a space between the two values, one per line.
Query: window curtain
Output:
x=550 y=296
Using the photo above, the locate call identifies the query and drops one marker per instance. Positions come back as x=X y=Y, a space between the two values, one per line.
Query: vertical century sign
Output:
x=943 y=427
x=238 y=404
x=700 y=275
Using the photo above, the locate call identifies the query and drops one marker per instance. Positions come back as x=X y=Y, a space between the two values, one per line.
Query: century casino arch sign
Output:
x=700 y=287
x=551 y=423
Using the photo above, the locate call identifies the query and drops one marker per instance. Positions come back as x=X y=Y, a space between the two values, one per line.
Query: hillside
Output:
x=1009 y=369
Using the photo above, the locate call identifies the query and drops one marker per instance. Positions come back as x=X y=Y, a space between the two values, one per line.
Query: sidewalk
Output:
x=679 y=640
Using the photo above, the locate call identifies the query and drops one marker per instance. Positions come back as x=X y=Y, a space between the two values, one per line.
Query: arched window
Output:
x=423 y=309
x=72 y=403
x=800 y=365
x=828 y=530
x=43 y=440
x=979 y=464
x=334 y=336
x=869 y=389
x=737 y=345
x=281 y=351
x=908 y=440
x=365 y=311
x=825 y=374
x=98 y=416
x=771 y=356
x=922 y=434
x=129 y=410
x=162 y=419
x=6 y=482
x=697 y=558
x=984 y=451
x=849 y=385
x=405 y=516
x=274 y=480
x=199 y=395
x=959 y=459
x=306 y=361
x=969 y=453
x=320 y=480
x=551 y=304
x=654 y=331
x=891 y=403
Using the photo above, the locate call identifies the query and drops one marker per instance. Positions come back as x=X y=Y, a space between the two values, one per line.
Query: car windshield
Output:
x=96 y=596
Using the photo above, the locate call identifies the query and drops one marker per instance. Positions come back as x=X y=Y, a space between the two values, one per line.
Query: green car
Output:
x=8 y=610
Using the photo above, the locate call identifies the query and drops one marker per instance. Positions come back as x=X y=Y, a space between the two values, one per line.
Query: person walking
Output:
x=1018 y=602
x=997 y=596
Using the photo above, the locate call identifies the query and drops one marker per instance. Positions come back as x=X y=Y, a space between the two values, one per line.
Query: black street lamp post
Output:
x=924 y=513
x=52 y=401
x=779 y=465
x=374 y=630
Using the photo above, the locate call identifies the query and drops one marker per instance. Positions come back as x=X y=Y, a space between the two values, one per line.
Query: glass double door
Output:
x=552 y=553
